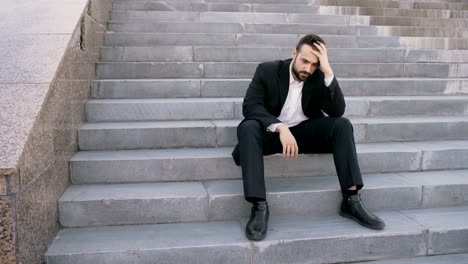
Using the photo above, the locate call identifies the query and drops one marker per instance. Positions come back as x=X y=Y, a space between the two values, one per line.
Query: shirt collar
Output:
x=291 y=78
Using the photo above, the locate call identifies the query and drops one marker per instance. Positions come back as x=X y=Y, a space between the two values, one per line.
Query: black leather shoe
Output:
x=256 y=228
x=353 y=208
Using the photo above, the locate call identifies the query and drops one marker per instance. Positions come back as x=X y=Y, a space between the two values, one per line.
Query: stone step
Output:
x=281 y=40
x=434 y=43
x=285 y=18
x=102 y=110
x=392 y=12
x=270 y=6
x=154 y=5
x=121 y=110
x=255 y=54
x=213 y=27
x=176 y=88
x=148 y=203
x=415 y=22
x=437 y=1
x=176 y=134
x=443 y=259
x=246 y=5
x=413 y=31
x=236 y=70
x=408 y=233
x=237 y=17
x=435 y=5
x=262 y=40
x=361 y=3
x=205 y=27
x=217 y=163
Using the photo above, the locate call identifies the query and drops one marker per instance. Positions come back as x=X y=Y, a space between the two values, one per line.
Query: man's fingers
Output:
x=321 y=46
x=290 y=152
x=296 y=150
x=316 y=53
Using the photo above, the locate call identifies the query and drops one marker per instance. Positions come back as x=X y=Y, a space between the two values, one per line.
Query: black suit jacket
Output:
x=269 y=88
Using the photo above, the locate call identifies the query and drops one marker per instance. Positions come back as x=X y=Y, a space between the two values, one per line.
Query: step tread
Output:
x=425 y=5
x=283 y=231
x=285 y=15
x=132 y=191
x=444 y=259
x=275 y=48
x=225 y=152
x=103 y=63
x=275 y=186
x=237 y=99
x=235 y=122
x=242 y=25
x=249 y=79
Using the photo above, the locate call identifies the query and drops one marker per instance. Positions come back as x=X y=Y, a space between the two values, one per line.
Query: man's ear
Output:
x=294 y=53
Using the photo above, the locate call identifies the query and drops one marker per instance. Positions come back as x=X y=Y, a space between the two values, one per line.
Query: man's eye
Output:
x=316 y=64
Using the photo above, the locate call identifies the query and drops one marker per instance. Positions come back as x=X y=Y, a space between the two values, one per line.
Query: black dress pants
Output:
x=318 y=135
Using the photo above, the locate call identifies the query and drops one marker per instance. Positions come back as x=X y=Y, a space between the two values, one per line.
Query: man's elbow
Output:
x=339 y=112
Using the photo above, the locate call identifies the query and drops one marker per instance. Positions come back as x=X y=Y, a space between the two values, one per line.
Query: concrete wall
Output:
x=49 y=49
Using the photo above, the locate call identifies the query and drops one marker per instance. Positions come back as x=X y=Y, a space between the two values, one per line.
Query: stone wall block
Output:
x=7 y=231
x=49 y=116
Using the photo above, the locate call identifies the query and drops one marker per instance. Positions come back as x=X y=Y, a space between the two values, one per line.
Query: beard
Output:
x=300 y=75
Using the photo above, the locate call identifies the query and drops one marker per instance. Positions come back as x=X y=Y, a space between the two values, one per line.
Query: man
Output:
x=283 y=111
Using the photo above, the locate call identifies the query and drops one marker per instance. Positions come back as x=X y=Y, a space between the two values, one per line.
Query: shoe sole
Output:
x=255 y=238
x=357 y=221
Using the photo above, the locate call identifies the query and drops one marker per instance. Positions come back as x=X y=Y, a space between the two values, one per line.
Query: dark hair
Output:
x=309 y=40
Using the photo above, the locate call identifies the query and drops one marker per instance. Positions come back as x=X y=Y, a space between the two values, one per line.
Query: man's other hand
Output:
x=322 y=55
x=290 y=148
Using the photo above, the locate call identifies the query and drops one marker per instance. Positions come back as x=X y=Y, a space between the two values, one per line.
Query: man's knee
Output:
x=343 y=124
x=249 y=127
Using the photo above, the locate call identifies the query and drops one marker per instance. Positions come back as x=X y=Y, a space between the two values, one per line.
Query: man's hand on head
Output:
x=290 y=148
x=322 y=54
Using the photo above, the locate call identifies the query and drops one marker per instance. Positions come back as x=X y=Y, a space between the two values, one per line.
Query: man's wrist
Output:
x=328 y=75
x=280 y=128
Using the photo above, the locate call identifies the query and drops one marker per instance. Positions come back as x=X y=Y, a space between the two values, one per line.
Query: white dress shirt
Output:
x=291 y=113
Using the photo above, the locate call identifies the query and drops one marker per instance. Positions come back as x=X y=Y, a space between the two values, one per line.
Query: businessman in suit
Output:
x=283 y=110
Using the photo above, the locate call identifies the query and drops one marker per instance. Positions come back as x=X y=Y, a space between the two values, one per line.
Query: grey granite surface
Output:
x=34 y=35
x=48 y=51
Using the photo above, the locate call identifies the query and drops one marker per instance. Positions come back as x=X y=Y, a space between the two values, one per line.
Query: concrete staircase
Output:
x=154 y=181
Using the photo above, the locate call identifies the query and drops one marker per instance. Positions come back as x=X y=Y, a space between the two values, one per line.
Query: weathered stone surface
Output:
x=20 y=105
x=311 y=195
x=36 y=63
x=169 y=39
x=448 y=228
x=315 y=239
x=117 y=204
x=455 y=258
x=8 y=238
x=160 y=109
x=200 y=243
x=217 y=163
x=48 y=50
x=41 y=17
x=127 y=89
x=139 y=135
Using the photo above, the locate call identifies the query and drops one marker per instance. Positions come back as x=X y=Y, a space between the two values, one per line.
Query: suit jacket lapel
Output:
x=283 y=81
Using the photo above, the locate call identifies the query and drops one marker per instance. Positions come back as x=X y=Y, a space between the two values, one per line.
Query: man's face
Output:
x=304 y=62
